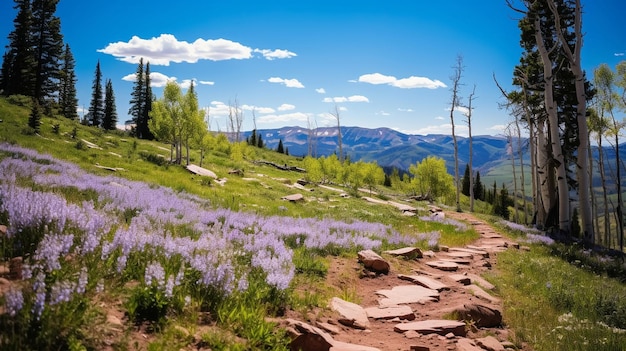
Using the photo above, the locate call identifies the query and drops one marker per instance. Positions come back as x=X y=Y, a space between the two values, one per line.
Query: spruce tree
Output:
x=109 y=121
x=479 y=189
x=465 y=182
x=136 y=99
x=17 y=75
x=280 y=149
x=68 y=103
x=48 y=48
x=96 y=107
x=34 y=119
x=147 y=104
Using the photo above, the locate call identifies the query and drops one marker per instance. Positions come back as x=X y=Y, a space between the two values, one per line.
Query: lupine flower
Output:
x=14 y=301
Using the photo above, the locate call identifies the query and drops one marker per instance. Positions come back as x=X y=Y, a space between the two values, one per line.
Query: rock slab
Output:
x=405 y=294
x=372 y=261
x=424 y=281
x=391 y=312
x=433 y=326
x=352 y=315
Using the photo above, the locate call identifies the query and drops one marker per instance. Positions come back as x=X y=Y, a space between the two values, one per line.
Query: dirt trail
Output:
x=381 y=332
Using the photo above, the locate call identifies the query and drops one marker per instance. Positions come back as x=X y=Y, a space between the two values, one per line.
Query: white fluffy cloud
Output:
x=289 y=83
x=275 y=54
x=283 y=118
x=258 y=109
x=321 y=90
x=286 y=107
x=411 y=82
x=157 y=79
x=353 y=98
x=167 y=48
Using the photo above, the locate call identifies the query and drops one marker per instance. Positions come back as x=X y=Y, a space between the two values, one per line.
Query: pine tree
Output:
x=68 y=103
x=17 y=75
x=479 y=189
x=260 y=142
x=252 y=139
x=109 y=122
x=34 y=119
x=48 y=47
x=280 y=149
x=96 y=107
x=465 y=182
x=147 y=104
x=136 y=100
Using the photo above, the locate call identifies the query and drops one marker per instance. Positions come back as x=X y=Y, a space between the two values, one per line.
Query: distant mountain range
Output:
x=389 y=147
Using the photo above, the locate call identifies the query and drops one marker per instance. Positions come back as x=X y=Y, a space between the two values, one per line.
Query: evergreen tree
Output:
x=109 y=122
x=260 y=142
x=465 y=182
x=502 y=202
x=479 y=189
x=252 y=141
x=17 y=75
x=68 y=103
x=34 y=119
x=147 y=104
x=286 y=151
x=136 y=100
x=48 y=48
x=96 y=107
x=280 y=149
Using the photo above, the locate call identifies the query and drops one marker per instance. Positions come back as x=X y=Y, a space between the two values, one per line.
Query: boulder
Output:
x=410 y=252
x=490 y=343
x=293 y=197
x=482 y=316
x=465 y=344
x=306 y=337
x=352 y=315
x=372 y=261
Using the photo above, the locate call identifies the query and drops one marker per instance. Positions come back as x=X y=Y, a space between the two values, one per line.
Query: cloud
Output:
x=275 y=54
x=353 y=98
x=383 y=113
x=618 y=54
x=464 y=110
x=405 y=109
x=157 y=79
x=461 y=130
x=498 y=127
x=286 y=107
x=411 y=82
x=321 y=90
x=289 y=83
x=258 y=109
x=165 y=49
x=283 y=118
x=206 y=82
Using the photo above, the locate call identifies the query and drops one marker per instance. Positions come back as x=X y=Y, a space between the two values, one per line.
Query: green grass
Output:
x=554 y=305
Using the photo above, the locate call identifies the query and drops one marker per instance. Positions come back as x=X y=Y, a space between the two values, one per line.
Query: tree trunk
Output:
x=553 y=124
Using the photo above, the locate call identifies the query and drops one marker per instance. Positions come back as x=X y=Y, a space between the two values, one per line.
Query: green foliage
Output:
x=20 y=100
x=431 y=178
x=34 y=120
x=465 y=182
x=148 y=304
x=153 y=158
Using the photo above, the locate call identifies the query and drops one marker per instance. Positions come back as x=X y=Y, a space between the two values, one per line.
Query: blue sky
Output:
x=382 y=63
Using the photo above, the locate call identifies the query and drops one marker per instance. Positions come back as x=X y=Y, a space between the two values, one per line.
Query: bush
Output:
x=153 y=158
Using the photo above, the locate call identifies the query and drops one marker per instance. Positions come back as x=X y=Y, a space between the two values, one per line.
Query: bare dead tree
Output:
x=468 y=116
x=455 y=101
x=336 y=116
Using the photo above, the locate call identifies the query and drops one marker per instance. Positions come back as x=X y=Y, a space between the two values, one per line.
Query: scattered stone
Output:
x=524 y=248
x=411 y=252
x=476 y=279
x=424 y=281
x=459 y=254
x=412 y=334
x=405 y=294
x=352 y=315
x=238 y=172
x=3 y=229
x=401 y=312
x=481 y=294
x=201 y=171
x=449 y=336
x=309 y=338
x=419 y=348
x=429 y=253
x=513 y=245
x=114 y=321
x=490 y=343
x=433 y=326
x=456 y=260
x=460 y=278
x=372 y=261
x=443 y=265
x=477 y=252
x=293 y=197
x=444 y=248
x=465 y=344
x=481 y=315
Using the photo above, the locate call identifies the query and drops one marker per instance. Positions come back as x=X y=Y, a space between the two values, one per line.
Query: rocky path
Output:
x=438 y=302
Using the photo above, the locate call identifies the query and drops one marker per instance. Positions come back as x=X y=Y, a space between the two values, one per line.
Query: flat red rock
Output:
x=443 y=265
x=424 y=281
x=405 y=294
x=433 y=326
